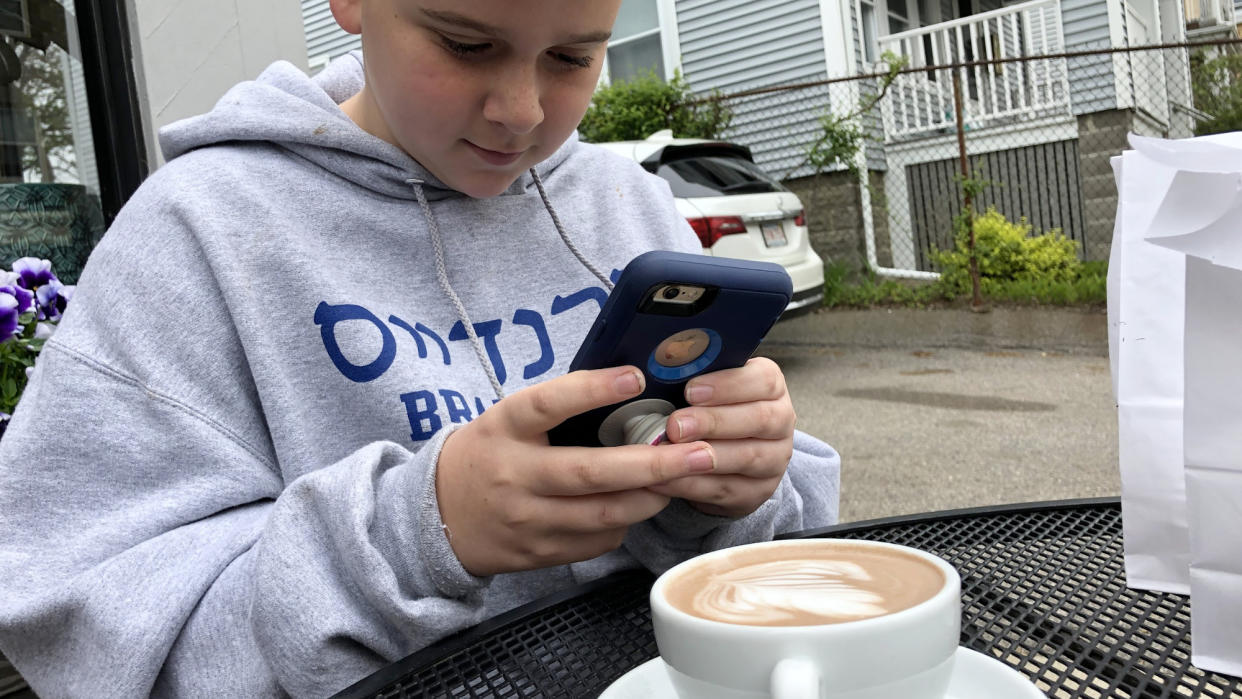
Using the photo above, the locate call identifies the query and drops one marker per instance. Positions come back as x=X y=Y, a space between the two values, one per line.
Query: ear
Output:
x=348 y=14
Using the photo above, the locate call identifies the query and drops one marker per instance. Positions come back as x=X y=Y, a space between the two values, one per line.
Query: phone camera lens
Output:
x=671 y=292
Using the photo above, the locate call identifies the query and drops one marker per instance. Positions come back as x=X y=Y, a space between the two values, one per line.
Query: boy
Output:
x=266 y=452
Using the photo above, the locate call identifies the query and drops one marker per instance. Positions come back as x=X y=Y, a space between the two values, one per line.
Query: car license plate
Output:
x=773 y=234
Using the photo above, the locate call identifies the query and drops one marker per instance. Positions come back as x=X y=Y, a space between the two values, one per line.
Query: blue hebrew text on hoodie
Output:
x=524 y=335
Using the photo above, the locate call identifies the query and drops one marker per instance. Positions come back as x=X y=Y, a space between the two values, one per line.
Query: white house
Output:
x=1069 y=113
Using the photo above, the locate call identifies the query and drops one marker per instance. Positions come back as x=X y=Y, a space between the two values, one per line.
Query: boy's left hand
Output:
x=746 y=415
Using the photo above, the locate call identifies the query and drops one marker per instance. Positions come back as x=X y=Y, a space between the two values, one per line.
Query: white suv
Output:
x=736 y=209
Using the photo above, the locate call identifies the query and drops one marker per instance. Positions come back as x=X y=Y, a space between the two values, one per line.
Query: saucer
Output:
x=975 y=676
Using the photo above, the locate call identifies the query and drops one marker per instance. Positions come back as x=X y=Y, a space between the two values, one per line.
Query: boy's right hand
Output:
x=512 y=502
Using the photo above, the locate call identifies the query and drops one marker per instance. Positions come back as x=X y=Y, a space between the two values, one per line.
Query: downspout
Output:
x=864 y=198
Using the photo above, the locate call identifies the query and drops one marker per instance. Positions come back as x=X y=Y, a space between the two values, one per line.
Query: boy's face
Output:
x=477 y=91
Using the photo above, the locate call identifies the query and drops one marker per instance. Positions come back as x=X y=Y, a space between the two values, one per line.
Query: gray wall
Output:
x=190 y=52
x=732 y=45
x=1092 y=88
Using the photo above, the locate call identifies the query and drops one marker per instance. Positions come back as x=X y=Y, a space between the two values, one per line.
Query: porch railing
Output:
x=921 y=103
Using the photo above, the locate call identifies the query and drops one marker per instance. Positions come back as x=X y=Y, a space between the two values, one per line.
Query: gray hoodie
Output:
x=220 y=480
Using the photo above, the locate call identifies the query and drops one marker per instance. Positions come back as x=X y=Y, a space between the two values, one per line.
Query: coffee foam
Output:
x=804 y=586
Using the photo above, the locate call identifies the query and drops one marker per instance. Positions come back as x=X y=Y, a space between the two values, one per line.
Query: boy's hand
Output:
x=747 y=417
x=511 y=502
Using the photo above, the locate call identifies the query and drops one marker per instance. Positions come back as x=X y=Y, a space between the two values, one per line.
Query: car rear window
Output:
x=716 y=175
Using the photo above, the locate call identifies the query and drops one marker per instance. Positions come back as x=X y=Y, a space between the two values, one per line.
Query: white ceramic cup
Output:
x=906 y=654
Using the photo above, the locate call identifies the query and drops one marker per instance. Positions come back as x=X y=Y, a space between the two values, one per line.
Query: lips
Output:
x=494 y=157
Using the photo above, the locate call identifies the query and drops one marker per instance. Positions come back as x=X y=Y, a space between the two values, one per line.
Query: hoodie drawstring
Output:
x=447 y=287
x=442 y=276
x=569 y=243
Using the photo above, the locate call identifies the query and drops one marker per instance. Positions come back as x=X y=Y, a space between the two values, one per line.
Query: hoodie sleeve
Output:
x=143 y=515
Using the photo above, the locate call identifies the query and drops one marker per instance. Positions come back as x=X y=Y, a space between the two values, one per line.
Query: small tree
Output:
x=1217 y=86
x=635 y=109
x=841 y=136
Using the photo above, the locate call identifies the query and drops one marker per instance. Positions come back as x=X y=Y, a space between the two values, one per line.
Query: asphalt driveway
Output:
x=941 y=409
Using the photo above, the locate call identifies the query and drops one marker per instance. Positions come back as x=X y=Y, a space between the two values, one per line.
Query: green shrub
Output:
x=635 y=109
x=1015 y=267
x=1007 y=252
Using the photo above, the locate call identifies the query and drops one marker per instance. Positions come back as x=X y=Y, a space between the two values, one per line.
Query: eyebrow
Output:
x=483 y=28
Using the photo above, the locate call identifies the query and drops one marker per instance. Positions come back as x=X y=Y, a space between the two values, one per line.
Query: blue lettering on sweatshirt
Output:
x=417 y=333
x=327 y=316
x=532 y=319
x=423 y=411
x=487 y=332
x=420 y=406
x=427 y=410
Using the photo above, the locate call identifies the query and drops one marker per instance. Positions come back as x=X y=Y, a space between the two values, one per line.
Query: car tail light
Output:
x=800 y=218
x=714 y=228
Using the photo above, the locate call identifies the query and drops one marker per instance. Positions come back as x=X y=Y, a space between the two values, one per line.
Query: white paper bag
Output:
x=1145 y=304
x=1201 y=216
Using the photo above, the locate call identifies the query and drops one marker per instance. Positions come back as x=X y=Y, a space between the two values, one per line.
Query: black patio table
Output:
x=1043 y=590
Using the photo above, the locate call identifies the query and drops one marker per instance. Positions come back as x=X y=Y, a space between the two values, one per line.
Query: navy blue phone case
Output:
x=743 y=300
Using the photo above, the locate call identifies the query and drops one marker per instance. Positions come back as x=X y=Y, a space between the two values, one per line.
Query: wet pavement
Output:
x=941 y=409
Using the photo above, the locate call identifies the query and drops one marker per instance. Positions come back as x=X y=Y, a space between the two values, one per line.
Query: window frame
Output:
x=670 y=51
x=112 y=99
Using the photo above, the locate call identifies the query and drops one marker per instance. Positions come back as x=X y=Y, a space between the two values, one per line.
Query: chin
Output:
x=485 y=188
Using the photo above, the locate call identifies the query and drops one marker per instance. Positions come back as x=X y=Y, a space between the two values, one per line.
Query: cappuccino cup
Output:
x=809 y=619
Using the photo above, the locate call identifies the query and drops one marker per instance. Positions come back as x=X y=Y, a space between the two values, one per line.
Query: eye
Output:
x=570 y=60
x=464 y=50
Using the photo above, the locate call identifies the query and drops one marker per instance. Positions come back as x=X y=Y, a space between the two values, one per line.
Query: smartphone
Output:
x=674 y=316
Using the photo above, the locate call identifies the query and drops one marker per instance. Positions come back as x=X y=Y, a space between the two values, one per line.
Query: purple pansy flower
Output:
x=9 y=315
x=52 y=298
x=24 y=298
x=32 y=272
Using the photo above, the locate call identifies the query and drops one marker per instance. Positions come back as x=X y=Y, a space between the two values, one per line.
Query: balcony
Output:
x=921 y=103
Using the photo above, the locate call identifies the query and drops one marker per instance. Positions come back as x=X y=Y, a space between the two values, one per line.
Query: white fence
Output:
x=921 y=103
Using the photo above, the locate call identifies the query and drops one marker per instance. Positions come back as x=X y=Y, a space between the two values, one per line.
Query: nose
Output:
x=513 y=102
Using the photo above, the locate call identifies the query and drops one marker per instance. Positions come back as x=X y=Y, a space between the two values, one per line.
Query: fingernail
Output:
x=686 y=427
x=697 y=393
x=701 y=461
x=628 y=383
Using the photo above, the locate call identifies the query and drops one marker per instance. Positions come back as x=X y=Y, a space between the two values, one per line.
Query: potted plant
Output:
x=32 y=301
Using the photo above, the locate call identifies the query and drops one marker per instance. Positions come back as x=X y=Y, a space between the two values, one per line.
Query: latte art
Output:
x=773 y=594
x=833 y=587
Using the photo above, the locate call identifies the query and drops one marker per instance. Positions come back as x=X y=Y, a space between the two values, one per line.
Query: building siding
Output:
x=324 y=39
x=734 y=45
x=1091 y=79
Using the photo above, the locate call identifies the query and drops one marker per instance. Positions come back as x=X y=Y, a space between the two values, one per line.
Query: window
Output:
x=59 y=184
x=716 y=175
x=638 y=42
x=870 y=32
x=898 y=16
x=892 y=17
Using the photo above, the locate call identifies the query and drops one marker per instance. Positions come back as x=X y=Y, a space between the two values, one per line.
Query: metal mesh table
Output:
x=1043 y=590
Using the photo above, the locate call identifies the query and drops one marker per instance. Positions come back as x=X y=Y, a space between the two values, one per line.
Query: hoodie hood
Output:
x=301 y=114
